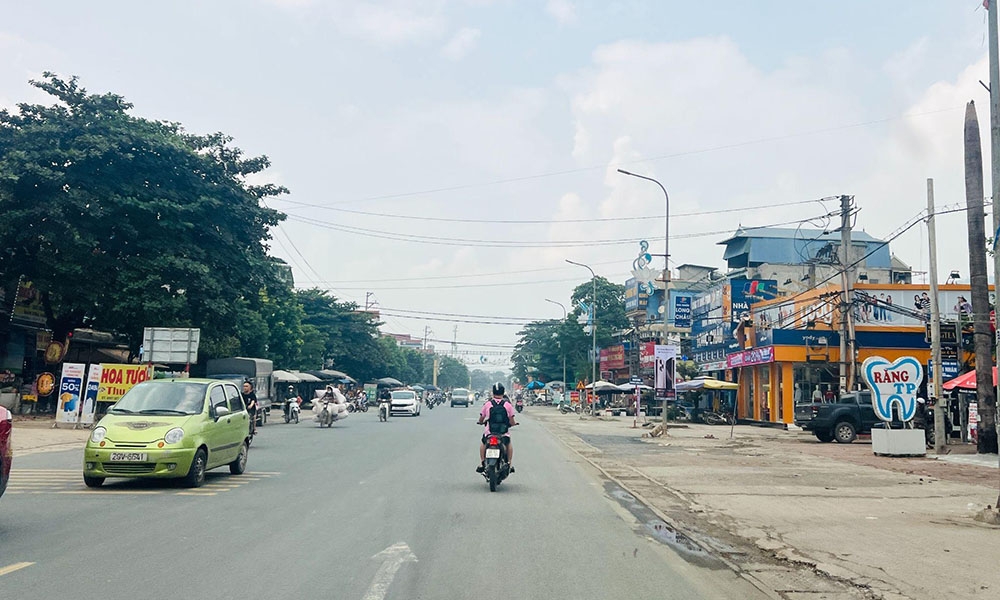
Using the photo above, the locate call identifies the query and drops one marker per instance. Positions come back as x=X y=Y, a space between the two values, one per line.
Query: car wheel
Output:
x=93 y=482
x=196 y=474
x=238 y=466
x=824 y=436
x=844 y=432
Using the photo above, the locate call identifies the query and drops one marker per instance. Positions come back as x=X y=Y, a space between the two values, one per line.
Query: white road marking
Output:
x=14 y=567
x=393 y=557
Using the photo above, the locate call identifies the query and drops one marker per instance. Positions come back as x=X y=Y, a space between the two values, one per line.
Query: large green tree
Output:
x=123 y=222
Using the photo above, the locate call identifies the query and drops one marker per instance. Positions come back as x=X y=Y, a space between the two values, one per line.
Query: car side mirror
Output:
x=221 y=411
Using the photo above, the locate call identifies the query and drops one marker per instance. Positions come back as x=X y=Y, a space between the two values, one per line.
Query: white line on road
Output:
x=394 y=556
x=14 y=567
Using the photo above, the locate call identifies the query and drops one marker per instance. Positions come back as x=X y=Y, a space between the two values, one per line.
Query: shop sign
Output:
x=749 y=358
x=647 y=351
x=719 y=365
x=45 y=384
x=613 y=358
x=28 y=306
x=746 y=292
x=893 y=384
x=7 y=376
x=949 y=369
x=636 y=296
x=682 y=312
x=118 y=379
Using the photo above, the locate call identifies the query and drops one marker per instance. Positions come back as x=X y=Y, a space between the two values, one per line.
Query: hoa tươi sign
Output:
x=118 y=379
x=749 y=358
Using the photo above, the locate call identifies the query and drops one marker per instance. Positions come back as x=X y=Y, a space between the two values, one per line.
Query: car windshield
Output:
x=164 y=398
x=403 y=395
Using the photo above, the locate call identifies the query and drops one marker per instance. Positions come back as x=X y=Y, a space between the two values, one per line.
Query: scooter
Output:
x=497 y=467
x=383 y=411
x=327 y=415
x=566 y=407
x=519 y=405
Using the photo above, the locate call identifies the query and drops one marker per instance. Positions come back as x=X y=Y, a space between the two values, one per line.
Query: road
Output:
x=365 y=510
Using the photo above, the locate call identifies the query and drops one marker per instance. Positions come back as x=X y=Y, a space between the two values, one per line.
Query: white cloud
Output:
x=562 y=11
x=461 y=43
x=394 y=24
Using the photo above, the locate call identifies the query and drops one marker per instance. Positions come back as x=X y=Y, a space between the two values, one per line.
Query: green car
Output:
x=170 y=428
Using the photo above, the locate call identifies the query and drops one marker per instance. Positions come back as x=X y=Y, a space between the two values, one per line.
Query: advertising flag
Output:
x=90 y=395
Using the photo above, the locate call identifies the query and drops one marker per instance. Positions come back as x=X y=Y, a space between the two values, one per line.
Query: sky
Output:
x=448 y=156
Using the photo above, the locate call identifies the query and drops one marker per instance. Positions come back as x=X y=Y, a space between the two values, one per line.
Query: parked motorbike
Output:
x=497 y=467
x=566 y=407
x=714 y=418
x=928 y=424
x=292 y=410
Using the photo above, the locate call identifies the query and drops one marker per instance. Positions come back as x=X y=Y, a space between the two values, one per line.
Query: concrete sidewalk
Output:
x=36 y=434
x=873 y=527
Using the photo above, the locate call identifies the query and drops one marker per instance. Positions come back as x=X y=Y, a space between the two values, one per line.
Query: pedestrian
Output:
x=250 y=400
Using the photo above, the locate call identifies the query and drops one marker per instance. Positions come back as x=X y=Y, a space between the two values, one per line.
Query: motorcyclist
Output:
x=250 y=400
x=290 y=397
x=499 y=399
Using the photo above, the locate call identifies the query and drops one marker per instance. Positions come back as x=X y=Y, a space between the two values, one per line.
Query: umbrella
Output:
x=630 y=388
x=390 y=382
x=603 y=385
x=706 y=383
x=535 y=385
x=285 y=377
x=432 y=388
x=304 y=377
x=417 y=388
x=555 y=384
x=966 y=381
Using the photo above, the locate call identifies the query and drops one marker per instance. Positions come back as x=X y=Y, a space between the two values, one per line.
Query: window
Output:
x=218 y=397
x=235 y=398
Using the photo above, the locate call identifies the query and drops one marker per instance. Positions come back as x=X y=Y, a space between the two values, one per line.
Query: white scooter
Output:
x=328 y=410
x=383 y=410
x=292 y=410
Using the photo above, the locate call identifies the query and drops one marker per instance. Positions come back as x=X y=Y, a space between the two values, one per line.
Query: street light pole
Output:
x=593 y=333
x=666 y=262
x=562 y=349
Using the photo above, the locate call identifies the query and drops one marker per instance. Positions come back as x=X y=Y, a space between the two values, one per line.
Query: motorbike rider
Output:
x=500 y=401
x=250 y=400
x=290 y=397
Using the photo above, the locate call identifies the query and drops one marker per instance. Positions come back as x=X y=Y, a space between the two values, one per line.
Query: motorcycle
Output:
x=292 y=410
x=497 y=467
x=327 y=414
x=357 y=406
x=383 y=411
x=519 y=405
x=566 y=407
x=714 y=418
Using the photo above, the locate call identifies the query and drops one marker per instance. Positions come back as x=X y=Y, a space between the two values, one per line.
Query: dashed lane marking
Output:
x=14 y=567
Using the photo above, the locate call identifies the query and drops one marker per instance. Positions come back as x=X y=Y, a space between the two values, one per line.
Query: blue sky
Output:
x=355 y=100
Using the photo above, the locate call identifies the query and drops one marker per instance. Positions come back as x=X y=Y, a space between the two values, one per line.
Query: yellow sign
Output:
x=580 y=385
x=45 y=383
x=118 y=379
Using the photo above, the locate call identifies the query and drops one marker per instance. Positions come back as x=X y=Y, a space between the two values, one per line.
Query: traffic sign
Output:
x=635 y=380
x=580 y=385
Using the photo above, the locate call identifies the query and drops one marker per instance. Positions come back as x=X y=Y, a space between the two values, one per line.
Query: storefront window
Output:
x=781 y=395
x=765 y=389
x=815 y=382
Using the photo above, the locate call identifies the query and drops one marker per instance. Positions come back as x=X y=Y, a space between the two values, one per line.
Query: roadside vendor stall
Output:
x=708 y=394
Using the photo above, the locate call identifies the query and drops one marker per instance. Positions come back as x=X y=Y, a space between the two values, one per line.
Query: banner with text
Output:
x=665 y=371
x=70 y=388
x=118 y=379
x=90 y=395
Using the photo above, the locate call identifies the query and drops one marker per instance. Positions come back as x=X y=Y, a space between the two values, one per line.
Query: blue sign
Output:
x=682 y=311
x=949 y=369
x=746 y=292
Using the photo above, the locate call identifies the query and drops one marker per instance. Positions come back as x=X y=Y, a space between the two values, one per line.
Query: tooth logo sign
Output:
x=893 y=383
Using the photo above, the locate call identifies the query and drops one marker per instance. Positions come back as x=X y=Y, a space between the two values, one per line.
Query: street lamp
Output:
x=561 y=348
x=593 y=331
x=666 y=260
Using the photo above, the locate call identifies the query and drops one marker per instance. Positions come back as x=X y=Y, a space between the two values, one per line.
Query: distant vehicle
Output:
x=6 y=448
x=240 y=369
x=405 y=402
x=841 y=421
x=461 y=396
x=170 y=428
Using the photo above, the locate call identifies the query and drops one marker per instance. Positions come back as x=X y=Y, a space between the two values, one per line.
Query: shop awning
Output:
x=966 y=381
x=706 y=383
x=285 y=377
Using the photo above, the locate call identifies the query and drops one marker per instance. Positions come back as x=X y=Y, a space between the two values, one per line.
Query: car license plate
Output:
x=493 y=453
x=128 y=457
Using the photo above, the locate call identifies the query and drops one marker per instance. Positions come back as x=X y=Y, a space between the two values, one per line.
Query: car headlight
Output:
x=174 y=435
x=98 y=434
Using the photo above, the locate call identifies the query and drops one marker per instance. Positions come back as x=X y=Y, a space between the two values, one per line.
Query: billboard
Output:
x=744 y=293
x=170 y=345
x=90 y=395
x=28 y=307
x=118 y=379
x=635 y=296
x=613 y=358
x=70 y=391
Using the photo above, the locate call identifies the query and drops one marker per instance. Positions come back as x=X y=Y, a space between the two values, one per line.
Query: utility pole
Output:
x=427 y=333
x=369 y=304
x=846 y=305
x=982 y=339
x=995 y=169
x=454 y=343
x=937 y=393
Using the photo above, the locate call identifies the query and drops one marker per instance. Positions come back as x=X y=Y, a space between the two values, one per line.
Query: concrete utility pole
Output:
x=846 y=344
x=982 y=340
x=995 y=169
x=593 y=337
x=936 y=393
x=427 y=333
x=561 y=350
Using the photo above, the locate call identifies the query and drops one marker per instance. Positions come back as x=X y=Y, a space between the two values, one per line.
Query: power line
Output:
x=478 y=285
x=553 y=221
x=437 y=277
x=445 y=314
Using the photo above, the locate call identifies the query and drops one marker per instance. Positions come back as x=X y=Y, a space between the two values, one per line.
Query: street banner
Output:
x=90 y=395
x=70 y=388
x=371 y=390
x=117 y=379
x=665 y=370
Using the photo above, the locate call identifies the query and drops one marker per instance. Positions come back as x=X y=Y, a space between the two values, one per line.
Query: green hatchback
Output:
x=170 y=428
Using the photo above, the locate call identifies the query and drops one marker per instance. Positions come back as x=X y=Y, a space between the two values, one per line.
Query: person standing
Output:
x=250 y=400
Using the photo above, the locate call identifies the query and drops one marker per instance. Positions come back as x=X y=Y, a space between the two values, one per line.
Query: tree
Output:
x=122 y=222
x=610 y=308
x=348 y=336
x=539 y=351
x=452 y=373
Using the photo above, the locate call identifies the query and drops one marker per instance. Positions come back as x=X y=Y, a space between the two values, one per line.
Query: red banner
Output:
x=613 y=358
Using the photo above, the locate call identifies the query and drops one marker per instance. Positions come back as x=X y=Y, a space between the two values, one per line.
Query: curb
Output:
x=672 y=523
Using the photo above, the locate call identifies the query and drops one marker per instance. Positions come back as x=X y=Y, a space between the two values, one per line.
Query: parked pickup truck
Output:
x=842 y=420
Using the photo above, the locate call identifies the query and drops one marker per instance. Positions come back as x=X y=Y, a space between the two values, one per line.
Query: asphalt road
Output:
x=365 y=510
